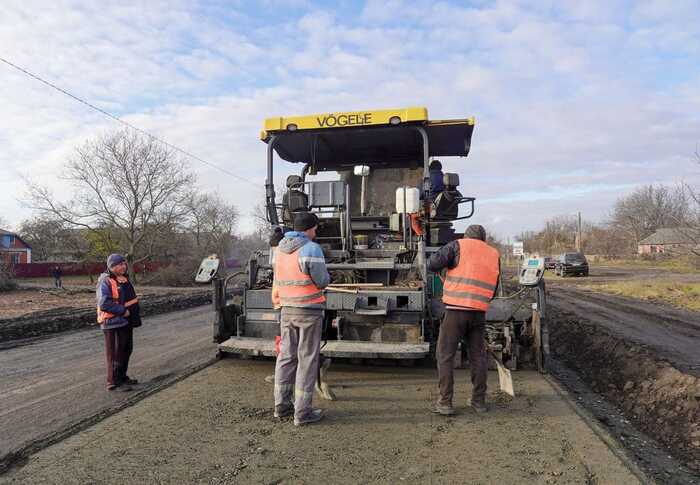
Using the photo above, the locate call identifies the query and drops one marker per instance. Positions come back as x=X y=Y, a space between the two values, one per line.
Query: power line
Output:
x=125 y=123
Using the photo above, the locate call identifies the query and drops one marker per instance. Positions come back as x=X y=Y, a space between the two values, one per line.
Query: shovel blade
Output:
x=505 y=379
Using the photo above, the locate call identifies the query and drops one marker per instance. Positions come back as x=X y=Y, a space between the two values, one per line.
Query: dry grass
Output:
x=681 y=264
x=682 y=295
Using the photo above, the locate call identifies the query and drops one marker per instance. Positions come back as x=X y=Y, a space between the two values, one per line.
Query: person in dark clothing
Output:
x=437 y=184
x=57 y=273
x=118 y=313
x=473 y=271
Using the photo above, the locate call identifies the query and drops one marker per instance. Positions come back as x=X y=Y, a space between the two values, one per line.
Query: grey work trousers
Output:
x=297 y=361
x=456 y=325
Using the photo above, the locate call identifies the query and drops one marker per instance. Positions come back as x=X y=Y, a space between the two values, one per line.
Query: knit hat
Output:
x=114 y=259
x=304 y=221
x=475 y=231
x=435 y=165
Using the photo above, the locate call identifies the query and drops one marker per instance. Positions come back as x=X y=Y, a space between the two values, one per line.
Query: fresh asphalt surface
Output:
x=52 y=384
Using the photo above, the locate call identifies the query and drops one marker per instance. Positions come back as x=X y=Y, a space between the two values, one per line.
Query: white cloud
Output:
x=576 y=103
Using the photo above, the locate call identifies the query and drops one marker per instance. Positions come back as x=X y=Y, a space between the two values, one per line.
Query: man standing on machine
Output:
x=300 y=277
x=473 y=269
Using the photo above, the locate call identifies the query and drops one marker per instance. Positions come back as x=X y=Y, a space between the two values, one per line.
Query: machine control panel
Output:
x=531 y=272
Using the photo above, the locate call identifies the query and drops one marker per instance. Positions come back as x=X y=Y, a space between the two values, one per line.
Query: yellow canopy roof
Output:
x=382 y=138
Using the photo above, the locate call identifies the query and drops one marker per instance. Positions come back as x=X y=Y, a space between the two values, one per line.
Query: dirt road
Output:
x=53 y=384
x=216 y=427
x=673 y=334
x=642 y=357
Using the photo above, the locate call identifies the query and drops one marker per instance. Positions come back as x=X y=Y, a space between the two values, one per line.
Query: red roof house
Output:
x=13 y=250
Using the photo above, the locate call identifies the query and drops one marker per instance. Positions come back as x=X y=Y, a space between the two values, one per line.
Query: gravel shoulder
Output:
x=216 y=427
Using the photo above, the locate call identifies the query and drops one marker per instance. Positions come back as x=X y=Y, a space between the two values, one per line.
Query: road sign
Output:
x=517 y=248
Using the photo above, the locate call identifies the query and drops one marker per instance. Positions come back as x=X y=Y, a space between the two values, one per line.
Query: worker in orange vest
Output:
x=300 y=277
x=473 y=269
x=117 y=313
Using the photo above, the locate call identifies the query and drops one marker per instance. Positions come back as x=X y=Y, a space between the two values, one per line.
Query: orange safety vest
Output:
x=292 y=287
x=103 y=315
x=472 y=283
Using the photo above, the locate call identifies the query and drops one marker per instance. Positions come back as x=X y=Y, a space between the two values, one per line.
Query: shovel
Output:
x=505 y=380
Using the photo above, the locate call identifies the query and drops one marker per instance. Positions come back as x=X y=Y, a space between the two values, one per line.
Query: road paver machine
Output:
x=380 y=219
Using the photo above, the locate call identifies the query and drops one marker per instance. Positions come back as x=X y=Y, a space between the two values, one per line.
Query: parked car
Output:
x=549 y=263
x=573 y=264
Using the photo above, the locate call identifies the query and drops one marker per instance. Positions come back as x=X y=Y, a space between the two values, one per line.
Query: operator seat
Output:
x=446 y=205
x=294 y=200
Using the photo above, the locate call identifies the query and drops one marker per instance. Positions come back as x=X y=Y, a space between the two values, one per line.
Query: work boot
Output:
x=443 y=409
x=479 y=405
x=313 y=416
x=283 y=411
x=120 y=387
x=130 y=381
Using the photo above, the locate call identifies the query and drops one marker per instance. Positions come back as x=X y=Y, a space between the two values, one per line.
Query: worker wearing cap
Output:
x=473 y=269
x=117 y=314
x=300 y=276
x=437 y=184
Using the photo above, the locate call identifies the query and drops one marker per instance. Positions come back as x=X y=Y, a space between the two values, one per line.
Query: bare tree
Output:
x=262 y=226
x=52 y=239
x=647 y=209
x=605 y=241
x=689 y=224
x=557 y=235
x=211 y=222
x=124 y=184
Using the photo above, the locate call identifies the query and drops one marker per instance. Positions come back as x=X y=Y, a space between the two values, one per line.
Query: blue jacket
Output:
x=436 y=183
x=107 y=303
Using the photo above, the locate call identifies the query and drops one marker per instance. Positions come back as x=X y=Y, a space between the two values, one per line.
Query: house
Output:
x=666 y=240
x=13 y=250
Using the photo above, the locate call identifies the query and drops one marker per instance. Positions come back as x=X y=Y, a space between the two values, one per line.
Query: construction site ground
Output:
x=631 y=414
x=217 y=427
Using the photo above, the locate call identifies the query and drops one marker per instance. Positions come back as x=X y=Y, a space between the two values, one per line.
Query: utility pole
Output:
x=578 y=234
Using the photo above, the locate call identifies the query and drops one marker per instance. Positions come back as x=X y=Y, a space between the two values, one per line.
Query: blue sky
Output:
x=577 y=103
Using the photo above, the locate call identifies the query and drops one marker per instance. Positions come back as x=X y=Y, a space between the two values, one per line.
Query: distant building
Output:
x=667 y=240
x=13 y=250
